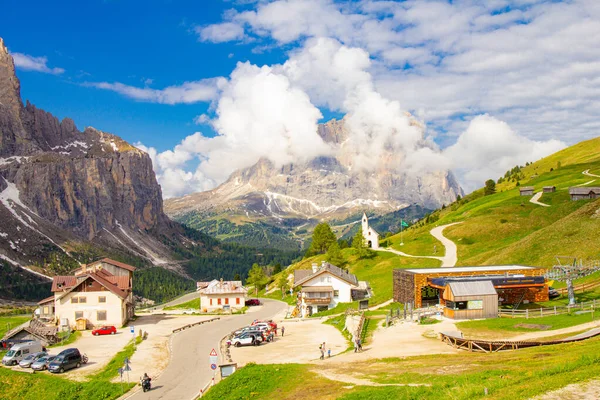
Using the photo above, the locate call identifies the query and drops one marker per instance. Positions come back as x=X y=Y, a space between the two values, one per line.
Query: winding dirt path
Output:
x=588 y=173
x=449 y=259
x=535 y=200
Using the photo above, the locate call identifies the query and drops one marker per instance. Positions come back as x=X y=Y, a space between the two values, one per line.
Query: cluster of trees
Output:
x=490 y=187
x=159 y=284
x=20 y=285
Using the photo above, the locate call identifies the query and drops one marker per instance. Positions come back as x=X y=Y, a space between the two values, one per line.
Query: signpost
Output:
x=126 y=368
x=213 y=359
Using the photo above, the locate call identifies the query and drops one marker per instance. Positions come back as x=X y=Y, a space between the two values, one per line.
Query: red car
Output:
x=270 y=322
x=105 y=330
x=253 y=302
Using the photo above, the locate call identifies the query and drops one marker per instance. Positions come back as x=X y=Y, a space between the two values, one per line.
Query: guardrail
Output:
x=194 y=324
x=547 y=311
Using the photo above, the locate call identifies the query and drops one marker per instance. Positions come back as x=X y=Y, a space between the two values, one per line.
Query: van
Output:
x=21 y=350
x=65 y=360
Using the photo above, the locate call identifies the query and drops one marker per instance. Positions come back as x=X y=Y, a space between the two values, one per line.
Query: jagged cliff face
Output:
x=322 y=187
x=59 y=184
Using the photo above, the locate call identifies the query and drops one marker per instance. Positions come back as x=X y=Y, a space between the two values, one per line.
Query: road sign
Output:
x=213 y=366
x=121 y=372
x=213 y=353
x=132 y=329
x=127 y=368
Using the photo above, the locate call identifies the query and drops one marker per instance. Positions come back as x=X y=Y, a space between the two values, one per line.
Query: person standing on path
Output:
x=358 y=342
x=322 y=348
x=282 y=330
x=355 y=345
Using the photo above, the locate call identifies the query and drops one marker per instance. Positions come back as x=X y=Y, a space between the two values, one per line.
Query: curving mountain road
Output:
x=189 y=369
x=449 y=259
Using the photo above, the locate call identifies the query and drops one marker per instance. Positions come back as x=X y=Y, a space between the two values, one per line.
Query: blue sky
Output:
x=207 y=87
x=121 y=41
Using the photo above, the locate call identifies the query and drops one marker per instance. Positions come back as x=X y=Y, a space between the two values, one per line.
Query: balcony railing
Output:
x=317 y=300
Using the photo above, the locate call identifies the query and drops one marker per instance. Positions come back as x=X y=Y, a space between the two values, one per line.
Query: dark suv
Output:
x=65 y=360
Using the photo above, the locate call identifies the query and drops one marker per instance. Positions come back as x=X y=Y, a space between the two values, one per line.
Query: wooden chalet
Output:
x=584 y=193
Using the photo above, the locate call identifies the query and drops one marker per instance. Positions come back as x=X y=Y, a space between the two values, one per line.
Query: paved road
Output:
x=188 y=369
x=183 y=299
x=588 y=173
x=449 y=259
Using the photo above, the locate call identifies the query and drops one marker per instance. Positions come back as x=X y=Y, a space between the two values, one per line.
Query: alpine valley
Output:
x=68 y=197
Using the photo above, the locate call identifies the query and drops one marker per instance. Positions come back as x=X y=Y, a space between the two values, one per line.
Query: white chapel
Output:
x=371 y=236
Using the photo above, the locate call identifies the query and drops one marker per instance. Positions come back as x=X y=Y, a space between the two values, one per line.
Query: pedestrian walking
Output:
x=282 y=330
x=359 y=344
x=355 y=346
x=322 y=352
x=328 y=353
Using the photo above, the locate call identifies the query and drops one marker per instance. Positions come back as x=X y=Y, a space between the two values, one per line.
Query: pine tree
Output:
x=334 y=255
x=358 y=242
x=256 y=277
x=490 y=187
x=277 y=268
x=322 y=238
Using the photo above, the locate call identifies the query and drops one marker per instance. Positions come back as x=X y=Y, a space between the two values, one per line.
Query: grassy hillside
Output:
x=505 y=228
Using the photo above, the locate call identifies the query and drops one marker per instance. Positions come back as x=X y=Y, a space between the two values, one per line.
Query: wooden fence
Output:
x=588 y=306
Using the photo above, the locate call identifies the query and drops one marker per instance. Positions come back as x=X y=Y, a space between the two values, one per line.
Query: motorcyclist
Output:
x=146 y=382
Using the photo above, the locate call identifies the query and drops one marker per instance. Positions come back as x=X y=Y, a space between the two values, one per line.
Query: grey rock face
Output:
x=83 y=184
x=322 y=186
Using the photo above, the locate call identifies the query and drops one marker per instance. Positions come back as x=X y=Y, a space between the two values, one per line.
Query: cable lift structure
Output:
x=568 y=269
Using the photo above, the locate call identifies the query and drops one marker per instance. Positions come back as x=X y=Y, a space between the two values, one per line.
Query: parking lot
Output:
x=300 y=344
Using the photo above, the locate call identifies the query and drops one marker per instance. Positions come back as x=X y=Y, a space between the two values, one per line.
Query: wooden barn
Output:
x=470 y=300
x=513 y=283
x=526 y=190
x=549 y=189
x=584 y=193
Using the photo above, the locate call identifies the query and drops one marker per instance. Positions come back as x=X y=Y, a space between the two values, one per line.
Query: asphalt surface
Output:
x=189 y=368
x=183 y=299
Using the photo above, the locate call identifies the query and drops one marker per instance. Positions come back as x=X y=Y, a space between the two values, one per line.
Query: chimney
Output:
x=314 y=267
x=323 y=264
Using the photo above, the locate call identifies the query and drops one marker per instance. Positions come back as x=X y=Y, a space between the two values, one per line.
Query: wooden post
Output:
x=541 y=312
x=554 y=310
x=527 y=313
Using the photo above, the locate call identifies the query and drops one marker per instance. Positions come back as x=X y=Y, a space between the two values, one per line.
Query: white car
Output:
x=246 y=339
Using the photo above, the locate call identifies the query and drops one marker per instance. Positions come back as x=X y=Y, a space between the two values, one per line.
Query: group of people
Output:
x=324 y=350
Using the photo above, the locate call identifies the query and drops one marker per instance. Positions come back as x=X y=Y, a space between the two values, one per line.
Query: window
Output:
x=226 y=300
x=211 y=302
x=101 y=299
x=83 y=300
x=74 y=300
x=336 y=293
x=101 y=315
x=90 y=283
x=456 y=305
x=237 y=300
x=219 y=301
x=46 y=310
x=78 y=314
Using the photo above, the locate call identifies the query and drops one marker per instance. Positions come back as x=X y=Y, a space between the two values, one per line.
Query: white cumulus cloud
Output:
x=31 y=63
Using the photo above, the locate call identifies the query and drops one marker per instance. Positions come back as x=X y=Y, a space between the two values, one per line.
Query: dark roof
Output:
x=549 y=187
x=300 y=274
x=584 y=190
x=496 y=280
x=526 y=188
x=332 y=269
x=112 y=287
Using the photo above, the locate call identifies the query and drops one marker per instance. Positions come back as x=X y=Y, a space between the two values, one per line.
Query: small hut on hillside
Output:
x=526 y=190
x=584 y=193
x=549 y=189
x=470 y=300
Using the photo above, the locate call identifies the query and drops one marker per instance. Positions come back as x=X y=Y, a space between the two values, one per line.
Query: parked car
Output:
x=246 y=339
x=105 y=330
x=30 y=359
x=21 y=350
x=553 y=293
x=270 y=322
x=253 y=302
x=42 y=363
x=65 y=360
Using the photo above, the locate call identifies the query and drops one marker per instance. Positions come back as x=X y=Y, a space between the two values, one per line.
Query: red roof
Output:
x=60 y=283
x=116 y=263
x=46 y=300
x=112 y=287
x=122 y=281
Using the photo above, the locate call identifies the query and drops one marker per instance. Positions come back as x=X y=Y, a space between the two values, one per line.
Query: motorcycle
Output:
x=146 y=385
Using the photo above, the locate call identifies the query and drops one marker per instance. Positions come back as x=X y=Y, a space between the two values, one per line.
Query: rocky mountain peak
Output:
x=10 y=87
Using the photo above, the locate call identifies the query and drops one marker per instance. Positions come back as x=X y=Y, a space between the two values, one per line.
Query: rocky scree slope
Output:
x=62 y=190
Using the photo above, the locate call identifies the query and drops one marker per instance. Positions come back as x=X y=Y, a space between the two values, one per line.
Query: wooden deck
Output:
x=455 y=340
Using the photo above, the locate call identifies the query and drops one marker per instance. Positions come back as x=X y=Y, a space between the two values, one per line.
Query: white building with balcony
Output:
x=325 y=286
